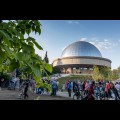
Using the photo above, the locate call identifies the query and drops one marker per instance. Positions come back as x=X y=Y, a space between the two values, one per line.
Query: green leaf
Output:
x=38 y=81
x=36 y=22
x=38 y=29
x=48 y=67
x=21 y=36
x=31 y=44
x=35 y=69
x=6 y=35
x=22 y=56
x=27 y=69
x=14 y=65
x=28 y=48
x=6 y=49
x=2 y=55
x=36 y=44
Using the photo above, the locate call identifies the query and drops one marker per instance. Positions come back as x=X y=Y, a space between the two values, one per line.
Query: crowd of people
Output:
x=91 y=90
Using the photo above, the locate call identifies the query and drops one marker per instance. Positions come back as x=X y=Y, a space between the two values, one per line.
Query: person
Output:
x=101 y=90
x=74 y=86
x=63 y=87
x=69 y=88
x=96 y=91
x=14 y=82
x=83 y=87
x=66 y=85
x=86 y=88
x=91 y=92
x=33 y=85
x=26 y=85
x=57 y=84
x=79 y=85
x=106 y=89
x=117 y=86
x=1 y=83
x=20 y=83
x=112 y=92
x=54 y=87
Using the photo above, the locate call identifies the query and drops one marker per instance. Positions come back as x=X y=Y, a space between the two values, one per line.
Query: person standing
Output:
x=54 y=87
x=74 y=86
x=1 y=83
x=69 y=88
x=107 y=86
x=63 y=87
x=57 y=84
x=117 y=86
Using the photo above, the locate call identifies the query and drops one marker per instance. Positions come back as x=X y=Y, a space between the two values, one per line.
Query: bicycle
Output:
x=78 y=95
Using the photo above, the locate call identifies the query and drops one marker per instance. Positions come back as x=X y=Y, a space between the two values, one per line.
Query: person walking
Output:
x=26 y=89
x=91 y=92
x=112 y=92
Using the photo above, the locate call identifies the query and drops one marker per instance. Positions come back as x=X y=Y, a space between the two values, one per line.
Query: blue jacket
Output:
x=69 y=86
x=54 y=84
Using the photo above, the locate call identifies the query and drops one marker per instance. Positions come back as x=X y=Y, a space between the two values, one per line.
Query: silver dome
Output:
x=81 y=48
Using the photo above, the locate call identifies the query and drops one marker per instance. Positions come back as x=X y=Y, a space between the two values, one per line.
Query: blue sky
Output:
x=57 y=34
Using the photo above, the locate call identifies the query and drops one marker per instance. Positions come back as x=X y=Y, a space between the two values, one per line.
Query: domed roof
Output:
x=81 y=48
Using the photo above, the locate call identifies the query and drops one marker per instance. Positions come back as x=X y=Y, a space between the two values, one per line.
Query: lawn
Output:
x=63 y=80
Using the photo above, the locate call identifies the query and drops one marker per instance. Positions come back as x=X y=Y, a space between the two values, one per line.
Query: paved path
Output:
x=14 y=95
x=64 y=94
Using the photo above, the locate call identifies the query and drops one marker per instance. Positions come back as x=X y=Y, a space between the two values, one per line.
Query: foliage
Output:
x=16 y=51
x=105 y=72
x=6 y=76
x=96 y=73
x=46 y=58
x=115 y=75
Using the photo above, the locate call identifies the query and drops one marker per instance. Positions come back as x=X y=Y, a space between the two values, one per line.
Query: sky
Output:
x=58 y=34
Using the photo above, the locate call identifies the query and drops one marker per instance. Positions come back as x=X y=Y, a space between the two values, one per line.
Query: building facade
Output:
x=80 y=57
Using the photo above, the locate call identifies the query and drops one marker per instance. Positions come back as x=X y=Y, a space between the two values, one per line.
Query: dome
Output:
x=81 y=48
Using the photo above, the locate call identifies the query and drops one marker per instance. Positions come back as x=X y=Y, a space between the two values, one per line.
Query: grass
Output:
x=63 y=80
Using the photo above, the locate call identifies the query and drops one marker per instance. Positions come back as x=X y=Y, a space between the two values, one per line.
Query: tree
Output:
x=105 y=72
x=118 y=70
x=16 y=51
x=46 y=58
x=115 y=75
x=96 y=73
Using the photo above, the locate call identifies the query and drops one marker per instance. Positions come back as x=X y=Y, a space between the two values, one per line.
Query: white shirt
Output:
x=117 y=86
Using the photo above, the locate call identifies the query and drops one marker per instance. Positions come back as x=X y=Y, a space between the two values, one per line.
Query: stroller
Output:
x=11 y=85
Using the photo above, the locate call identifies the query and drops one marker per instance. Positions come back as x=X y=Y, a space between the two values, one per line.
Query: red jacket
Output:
x=90 y=93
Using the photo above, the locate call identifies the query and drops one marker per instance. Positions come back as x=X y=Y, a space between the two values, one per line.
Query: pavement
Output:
x=62 y=94
x=14 y=95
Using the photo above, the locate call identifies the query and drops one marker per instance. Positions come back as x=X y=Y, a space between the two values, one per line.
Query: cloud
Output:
x=105 y=40
x=83 y=39
x=104 y=45
x=72 y=22
x=76 y=22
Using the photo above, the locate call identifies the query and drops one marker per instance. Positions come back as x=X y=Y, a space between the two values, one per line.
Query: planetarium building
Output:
x=79 y=57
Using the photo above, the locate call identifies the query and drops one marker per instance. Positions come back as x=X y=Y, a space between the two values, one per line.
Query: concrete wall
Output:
x=82 y=60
